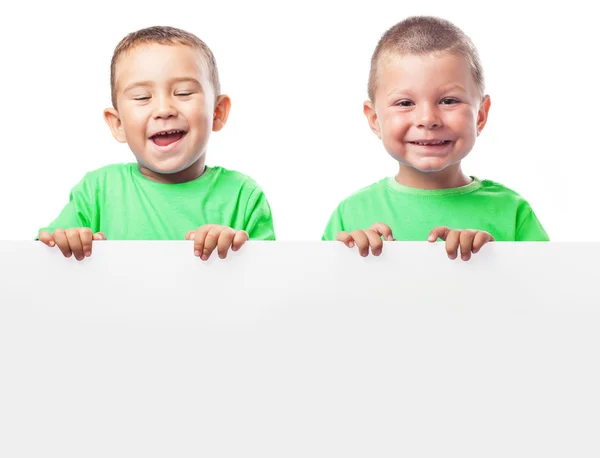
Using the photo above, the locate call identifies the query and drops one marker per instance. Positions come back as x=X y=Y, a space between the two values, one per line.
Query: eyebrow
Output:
x=395 y=91
x=454 y=86
x=184 y=79
x=409 y=92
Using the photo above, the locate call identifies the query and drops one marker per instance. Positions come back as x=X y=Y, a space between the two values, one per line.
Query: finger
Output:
x=224 y=242
x=345 y=238
x=452 y=241
x=99 y=236
x=466 y=244
x=211 y=241
x=60 y=238
x=383 y=230
x=481 y=238
x=440 y=232
x=46 y=238
x=86 y=241
x=361 y=241
x=190 y=235
x=374 y=241
x=75 y=243
x=199 y=237
x=240 y=238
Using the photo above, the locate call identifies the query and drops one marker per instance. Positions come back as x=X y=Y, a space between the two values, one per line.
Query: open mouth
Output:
x=167 y=137
x=431 y=142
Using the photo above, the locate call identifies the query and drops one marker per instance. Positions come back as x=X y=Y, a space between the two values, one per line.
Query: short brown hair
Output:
x=165 y=36
x=419 y=35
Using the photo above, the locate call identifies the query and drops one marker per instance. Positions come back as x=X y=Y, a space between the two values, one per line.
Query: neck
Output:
x=451 y=177
x=191 y=173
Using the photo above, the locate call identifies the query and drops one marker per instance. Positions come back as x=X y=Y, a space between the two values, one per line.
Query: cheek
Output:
x=200 y=117
x=466 y=127
x=394 y=126
x=134 y=122
x=464 y=121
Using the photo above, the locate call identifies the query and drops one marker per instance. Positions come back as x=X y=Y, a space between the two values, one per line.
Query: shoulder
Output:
x=227 y=178
x=105 y=175
x=111 y=171
x=500 y=191
x=366 y=194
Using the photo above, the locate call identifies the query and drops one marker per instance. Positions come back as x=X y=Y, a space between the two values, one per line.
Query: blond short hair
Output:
x=165 y=36
x=420 y=35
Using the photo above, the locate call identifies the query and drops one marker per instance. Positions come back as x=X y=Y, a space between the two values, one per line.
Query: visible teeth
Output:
x=169 y=132
x=431 y=143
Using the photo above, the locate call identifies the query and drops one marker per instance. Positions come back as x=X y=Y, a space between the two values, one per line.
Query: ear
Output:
x=111 y=116
x=482 y=114
x=371 y=114
x=221 y=113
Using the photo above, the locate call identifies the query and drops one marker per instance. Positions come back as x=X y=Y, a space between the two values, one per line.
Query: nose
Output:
x=428 y=116
x=164 y=107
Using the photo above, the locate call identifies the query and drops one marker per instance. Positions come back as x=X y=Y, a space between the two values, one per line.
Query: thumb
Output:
x=46 y=238
x=99 y=236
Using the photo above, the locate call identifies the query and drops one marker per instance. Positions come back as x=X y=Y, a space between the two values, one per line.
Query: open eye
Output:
x=448 y=101
x=404 y=103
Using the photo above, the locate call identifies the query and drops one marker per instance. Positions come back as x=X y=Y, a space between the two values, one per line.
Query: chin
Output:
x=173 y=171
x=168 y=167
x=425 y=167
x=429 y=169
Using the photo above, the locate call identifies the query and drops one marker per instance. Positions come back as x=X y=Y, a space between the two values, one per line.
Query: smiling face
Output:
x=166 y=108
x=428 y=110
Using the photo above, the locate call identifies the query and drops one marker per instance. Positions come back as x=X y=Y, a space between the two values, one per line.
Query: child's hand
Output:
x=470 y=241
x=210 y=236
x=75 y=241
x=370 y=237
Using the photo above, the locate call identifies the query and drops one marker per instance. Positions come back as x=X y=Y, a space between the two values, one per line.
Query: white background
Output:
x=297 y=75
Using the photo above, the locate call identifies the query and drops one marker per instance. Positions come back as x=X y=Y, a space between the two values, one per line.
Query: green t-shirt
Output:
x=125 y=205
x=412 y=213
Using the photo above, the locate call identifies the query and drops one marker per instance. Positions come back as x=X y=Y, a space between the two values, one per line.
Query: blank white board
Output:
x=300 y=350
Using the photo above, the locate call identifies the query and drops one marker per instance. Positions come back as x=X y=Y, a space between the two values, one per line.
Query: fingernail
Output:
x=51 y=243
x=431 y=238
x=196 y=253
x=351 y=244
x=389 y=238
x=88 y=254
x=204 y=257
x=452 y=256
x=192 y=236
x=465 y=258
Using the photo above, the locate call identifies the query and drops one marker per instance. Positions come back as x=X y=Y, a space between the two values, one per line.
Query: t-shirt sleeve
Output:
x=78 y=212
x=258 y=221
x=334 y=226
x=529 y=228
